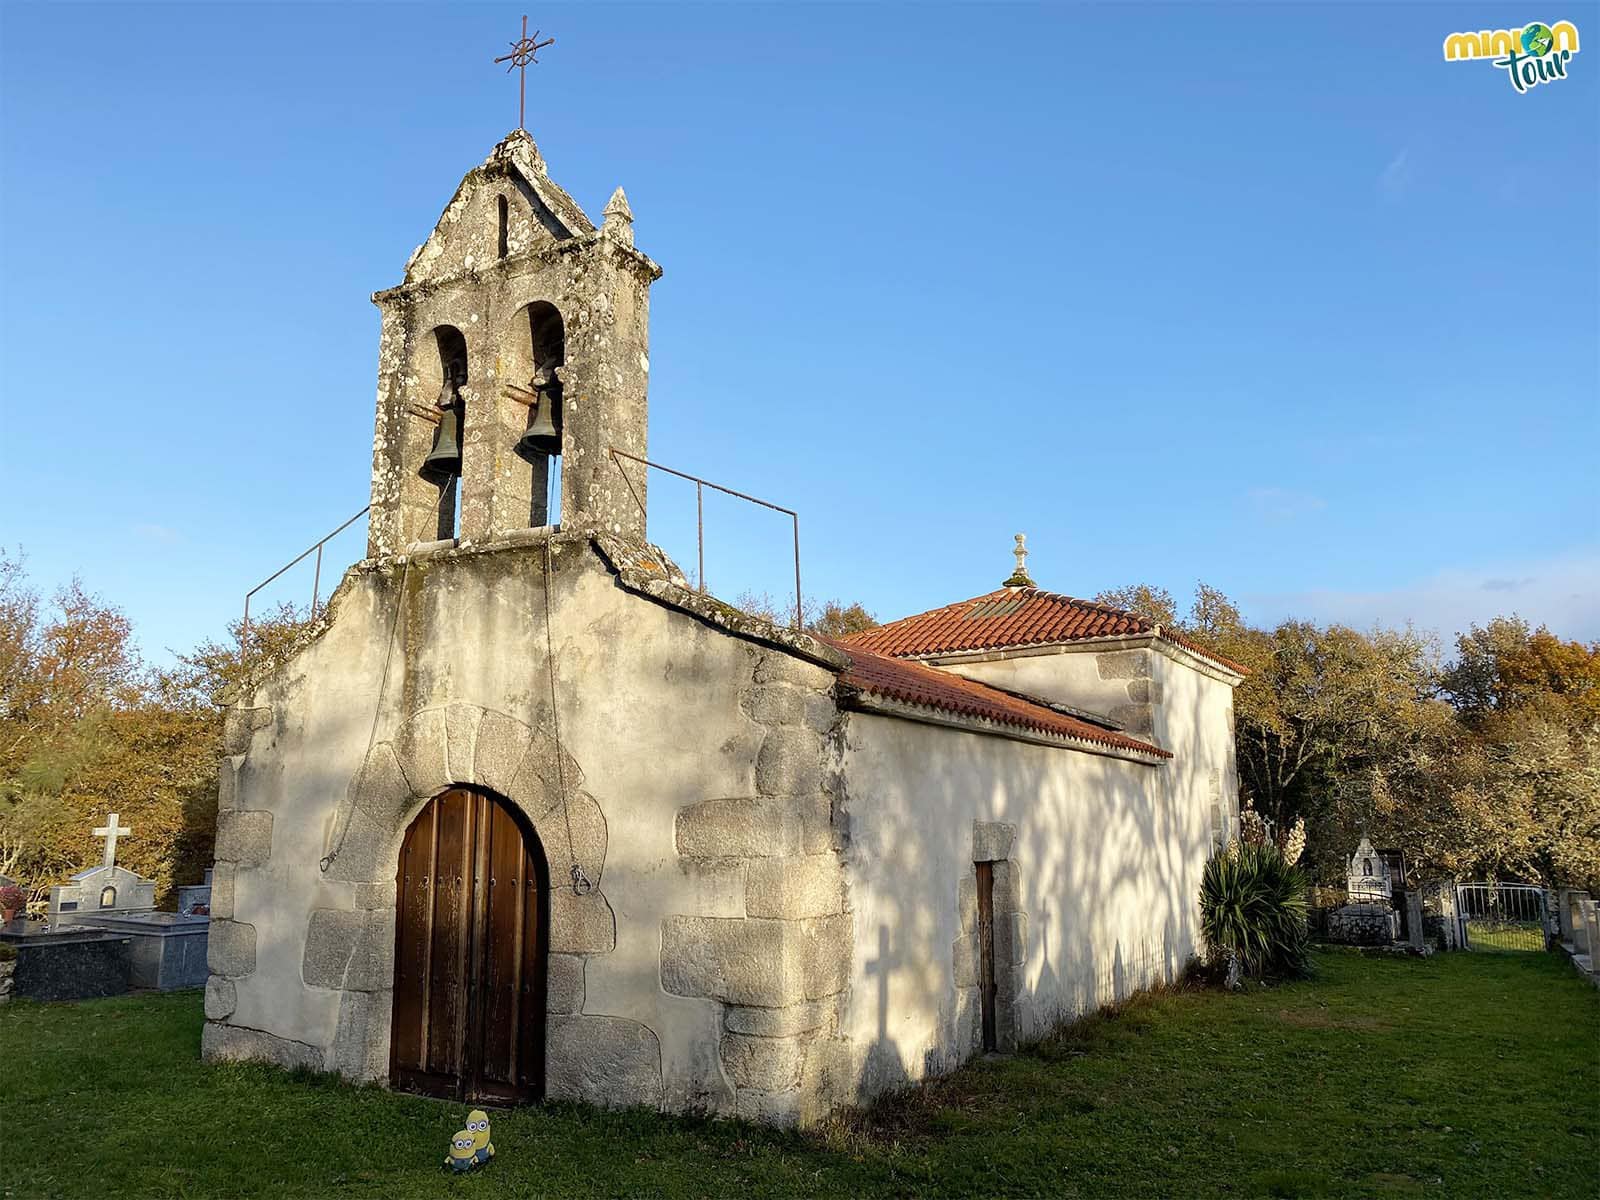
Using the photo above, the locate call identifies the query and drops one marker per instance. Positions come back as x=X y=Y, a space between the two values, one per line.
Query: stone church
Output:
x=524 y=814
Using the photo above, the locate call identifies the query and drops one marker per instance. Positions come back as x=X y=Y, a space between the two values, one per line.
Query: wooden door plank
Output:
x=497 y=1043
x=986 y=985
x=446 y=976
x=408 y=1031
x=478 y=948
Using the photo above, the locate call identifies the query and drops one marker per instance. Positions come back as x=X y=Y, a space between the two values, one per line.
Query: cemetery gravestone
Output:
x=103 y=935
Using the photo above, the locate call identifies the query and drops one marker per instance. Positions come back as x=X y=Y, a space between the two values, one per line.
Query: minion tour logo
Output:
x=1532 y=55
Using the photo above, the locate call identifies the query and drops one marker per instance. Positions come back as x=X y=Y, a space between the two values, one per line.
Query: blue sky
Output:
x=1266 y=295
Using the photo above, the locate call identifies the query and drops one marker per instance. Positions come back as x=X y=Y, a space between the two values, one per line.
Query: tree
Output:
x=1336 y=702
x=1142 y=599
x=1505 y=664
x=66 y=674
x=86 y=728
x=1524 y=787
x=838 y=620
x=832 y=619
x=201 y=678
x=1333 y=725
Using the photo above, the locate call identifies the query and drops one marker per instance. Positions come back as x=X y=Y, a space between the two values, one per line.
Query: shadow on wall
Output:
x=1109 y=866
x=883 y=1061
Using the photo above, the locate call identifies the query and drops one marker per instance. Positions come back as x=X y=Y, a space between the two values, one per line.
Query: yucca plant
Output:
x=1253 y=908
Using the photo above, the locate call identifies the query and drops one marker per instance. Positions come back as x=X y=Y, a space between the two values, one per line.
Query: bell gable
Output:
x=505 y=207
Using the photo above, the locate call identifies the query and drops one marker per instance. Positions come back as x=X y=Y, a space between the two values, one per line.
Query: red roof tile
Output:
x=1009 y=618
x=913 y=683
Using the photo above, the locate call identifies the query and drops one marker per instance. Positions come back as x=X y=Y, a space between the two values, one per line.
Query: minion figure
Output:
x=460 y=1156
x=478 y=1127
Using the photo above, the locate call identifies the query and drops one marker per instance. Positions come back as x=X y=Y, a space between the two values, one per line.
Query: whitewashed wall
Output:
x=1065 y=675
x=1107 y=860
x=1194 y=720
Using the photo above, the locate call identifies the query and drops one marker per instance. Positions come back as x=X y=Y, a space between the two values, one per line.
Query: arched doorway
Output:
x=471 y=929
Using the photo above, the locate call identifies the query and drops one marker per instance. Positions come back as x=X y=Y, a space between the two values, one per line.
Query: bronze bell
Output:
x=543 y=435
x=444 y=460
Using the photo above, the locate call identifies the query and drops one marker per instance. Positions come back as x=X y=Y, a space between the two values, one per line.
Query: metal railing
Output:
x=1502 y=916
x=700 y=517
x=316 y=581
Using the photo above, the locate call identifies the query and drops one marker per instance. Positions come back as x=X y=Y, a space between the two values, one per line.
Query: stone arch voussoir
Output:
x=460 y=744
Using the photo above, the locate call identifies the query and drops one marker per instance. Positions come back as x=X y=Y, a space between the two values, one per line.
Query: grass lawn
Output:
x=1461 y=1075
x=1506 y=935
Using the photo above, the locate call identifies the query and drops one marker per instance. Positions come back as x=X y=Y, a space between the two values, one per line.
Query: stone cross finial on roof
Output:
x=111 y=831
x=1019 y=577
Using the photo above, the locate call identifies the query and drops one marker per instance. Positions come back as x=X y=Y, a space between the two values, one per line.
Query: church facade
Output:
x=524 y=814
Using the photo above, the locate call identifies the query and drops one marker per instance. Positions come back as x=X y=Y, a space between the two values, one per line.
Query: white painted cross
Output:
x=111 y=831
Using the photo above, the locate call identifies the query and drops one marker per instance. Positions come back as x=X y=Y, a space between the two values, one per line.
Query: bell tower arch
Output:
x=553 y=315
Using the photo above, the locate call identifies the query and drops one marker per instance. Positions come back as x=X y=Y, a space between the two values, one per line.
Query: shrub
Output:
x=1253 y=909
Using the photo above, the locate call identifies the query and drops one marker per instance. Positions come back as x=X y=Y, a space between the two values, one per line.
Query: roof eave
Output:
x=1198 y=660
x=1153 y=639
x=869 y=702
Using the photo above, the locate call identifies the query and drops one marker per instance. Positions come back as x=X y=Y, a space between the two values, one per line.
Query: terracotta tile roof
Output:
x=1008 y=618
x=913 y=683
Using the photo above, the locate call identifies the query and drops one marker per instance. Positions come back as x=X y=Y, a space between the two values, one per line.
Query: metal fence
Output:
x=700 y=520
x=1323 y=903
x=1502 y=916
x=316 y=581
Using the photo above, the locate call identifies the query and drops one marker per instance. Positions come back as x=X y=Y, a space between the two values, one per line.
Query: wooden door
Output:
x=470 y=935
x=986 y=982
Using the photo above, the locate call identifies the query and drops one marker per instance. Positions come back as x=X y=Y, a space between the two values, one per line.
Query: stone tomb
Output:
x=164 y=951
x=1368 y=876
x=107 y=888
x=1369 y=919
x=167 y=951
x=102 y=890
x=196 y=897
x=66 y=962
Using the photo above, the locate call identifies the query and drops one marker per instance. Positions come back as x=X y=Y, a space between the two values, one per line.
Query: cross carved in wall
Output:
x=524 y=50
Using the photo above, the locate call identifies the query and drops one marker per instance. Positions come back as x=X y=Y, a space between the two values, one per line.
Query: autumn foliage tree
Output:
x=1525 y=783
x=831 y=618
x=1483 y=766
x=86 y=728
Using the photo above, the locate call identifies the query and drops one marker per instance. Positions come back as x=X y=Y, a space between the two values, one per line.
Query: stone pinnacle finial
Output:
x=619 y=217
x=1019 y=577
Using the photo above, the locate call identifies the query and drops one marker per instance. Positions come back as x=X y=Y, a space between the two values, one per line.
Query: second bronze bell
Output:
x=542 y=436
x=444 y=460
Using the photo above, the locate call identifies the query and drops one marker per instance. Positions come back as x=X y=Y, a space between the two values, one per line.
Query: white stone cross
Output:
x=111 y=831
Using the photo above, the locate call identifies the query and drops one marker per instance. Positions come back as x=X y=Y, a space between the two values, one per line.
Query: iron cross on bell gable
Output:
x=524 y=50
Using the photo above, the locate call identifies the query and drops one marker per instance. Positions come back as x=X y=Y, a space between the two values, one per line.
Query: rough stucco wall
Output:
x=1194 y=720
x=1114 y=683
x=1184 y=710
x=658 y=711
x=1106 y=870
